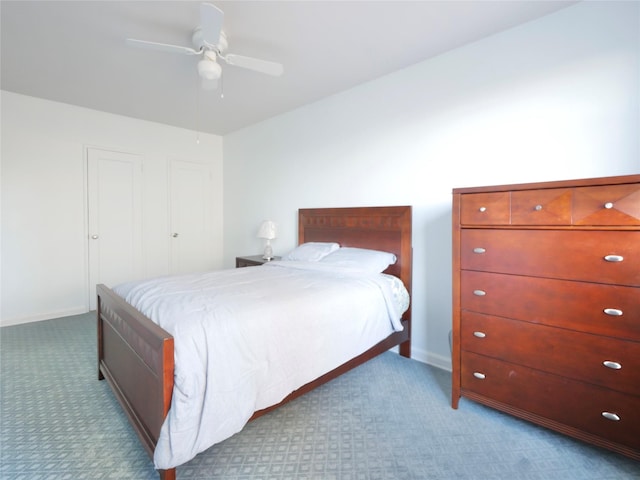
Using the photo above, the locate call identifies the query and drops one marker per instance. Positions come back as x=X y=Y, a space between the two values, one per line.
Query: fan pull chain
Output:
x=198 y=87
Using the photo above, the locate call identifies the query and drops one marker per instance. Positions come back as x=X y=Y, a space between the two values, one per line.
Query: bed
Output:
x=136 y=356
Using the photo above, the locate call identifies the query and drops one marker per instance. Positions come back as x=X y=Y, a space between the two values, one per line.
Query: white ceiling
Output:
x=75 y=51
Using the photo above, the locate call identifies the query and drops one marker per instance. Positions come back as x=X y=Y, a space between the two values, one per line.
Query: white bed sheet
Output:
x=246 y=338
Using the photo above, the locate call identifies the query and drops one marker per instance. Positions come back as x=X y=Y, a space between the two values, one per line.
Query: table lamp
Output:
x=268 y=232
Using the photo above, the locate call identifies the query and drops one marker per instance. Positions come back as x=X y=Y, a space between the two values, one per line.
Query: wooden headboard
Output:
x=378 y=228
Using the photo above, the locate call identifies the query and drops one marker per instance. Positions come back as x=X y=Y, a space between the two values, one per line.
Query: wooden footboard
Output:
x=135 y=356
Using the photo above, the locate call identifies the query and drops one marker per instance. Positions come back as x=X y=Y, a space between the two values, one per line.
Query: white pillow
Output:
x=400 y=294
x=373 y=261
x=311 y=251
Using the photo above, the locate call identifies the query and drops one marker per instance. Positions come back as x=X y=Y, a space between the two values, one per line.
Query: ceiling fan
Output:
x=210 y=43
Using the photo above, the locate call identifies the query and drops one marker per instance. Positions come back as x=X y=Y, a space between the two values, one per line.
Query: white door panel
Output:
x=190 y=198
x=115 y=218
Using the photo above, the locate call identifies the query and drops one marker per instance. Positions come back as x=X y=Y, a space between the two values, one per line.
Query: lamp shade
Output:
x=209 y=69
x=267 y=230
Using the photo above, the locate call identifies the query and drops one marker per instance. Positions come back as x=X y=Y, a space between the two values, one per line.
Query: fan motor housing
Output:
x=198 y=41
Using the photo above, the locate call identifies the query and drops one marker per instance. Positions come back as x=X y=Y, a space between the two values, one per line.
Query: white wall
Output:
x=44 y=238
x=557 y=98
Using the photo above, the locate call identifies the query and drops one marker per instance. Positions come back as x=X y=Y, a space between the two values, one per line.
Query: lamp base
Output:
x=268 y=253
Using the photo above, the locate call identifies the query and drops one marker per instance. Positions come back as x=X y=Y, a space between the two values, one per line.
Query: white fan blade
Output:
x=262 y=66
x=162 y=47
x=211 y=18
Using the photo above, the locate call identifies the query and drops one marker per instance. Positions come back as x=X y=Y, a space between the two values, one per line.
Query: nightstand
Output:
x=252 y=261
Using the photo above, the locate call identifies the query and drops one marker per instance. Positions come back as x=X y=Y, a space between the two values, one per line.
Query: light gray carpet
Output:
x=388 y=419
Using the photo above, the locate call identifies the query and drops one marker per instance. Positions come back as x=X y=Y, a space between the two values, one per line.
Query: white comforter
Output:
x=246 y=338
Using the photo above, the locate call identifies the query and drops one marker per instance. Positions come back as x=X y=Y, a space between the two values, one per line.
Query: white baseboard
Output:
x=438 y=361
x=435 y=360
x=6 y=322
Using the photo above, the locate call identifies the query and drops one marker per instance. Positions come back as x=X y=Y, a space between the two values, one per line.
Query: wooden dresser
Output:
x=546 y=305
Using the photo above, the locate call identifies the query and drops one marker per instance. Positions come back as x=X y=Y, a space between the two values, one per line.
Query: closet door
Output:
x=114 y=218
x=191 y=222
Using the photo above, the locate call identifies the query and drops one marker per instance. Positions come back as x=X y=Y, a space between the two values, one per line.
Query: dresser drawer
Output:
x=582 y=306
x=579 y=405
x=580 y=356
x=595 y=256
x=541 y=207
x=485 y=209
x=607 y=205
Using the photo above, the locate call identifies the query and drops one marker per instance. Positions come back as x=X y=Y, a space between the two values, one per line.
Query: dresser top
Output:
x=620 y=180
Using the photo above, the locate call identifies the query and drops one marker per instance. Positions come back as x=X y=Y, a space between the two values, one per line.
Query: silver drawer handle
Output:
x=614 y=312
x=611 y=416
x=479 y=250
x=612 y=365
x=479 y=375
x=479 y=293
x=608 y=205
x=483 y=209
x=614 y=258
x=479 y=334
x=538 y=208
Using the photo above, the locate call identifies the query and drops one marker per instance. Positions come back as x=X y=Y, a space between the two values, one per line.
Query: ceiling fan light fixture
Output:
x=210 y=42
x=209 y=69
